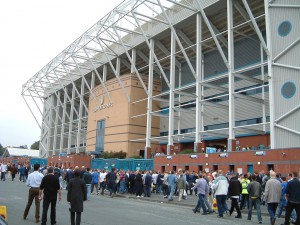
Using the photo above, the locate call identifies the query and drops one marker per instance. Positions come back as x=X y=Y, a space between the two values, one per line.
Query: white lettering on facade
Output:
x=104 y=106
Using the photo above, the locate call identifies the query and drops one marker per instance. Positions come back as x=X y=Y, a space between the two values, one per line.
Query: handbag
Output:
x=214 y=204
x=184 y=193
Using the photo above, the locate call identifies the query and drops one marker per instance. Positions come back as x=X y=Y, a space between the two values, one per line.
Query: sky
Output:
x=32 y=33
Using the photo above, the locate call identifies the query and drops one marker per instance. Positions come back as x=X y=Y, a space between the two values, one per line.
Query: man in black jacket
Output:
x=50 y=185
x=234 y=191
x=292 y=194
x=87 y=178
x=111 y=178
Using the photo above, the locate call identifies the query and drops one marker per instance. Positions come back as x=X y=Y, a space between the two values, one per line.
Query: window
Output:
x=100 y=136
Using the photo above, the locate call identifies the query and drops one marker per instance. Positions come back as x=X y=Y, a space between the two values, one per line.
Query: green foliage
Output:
x=118 y=155
x=186 y=151
x=35 y=145
x=2 y=149
x=136 y=157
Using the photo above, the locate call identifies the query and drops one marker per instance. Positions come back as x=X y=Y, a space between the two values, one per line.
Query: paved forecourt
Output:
x=122 y=209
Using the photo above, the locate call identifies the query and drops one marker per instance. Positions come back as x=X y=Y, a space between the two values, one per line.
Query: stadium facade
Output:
x=167 y=73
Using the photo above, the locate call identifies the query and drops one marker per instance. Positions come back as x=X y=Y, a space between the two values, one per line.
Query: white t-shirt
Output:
x=102 y=176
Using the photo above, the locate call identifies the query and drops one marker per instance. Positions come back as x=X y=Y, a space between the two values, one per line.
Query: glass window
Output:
x=100 y=136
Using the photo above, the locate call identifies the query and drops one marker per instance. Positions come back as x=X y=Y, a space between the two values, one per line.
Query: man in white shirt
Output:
x=3 y=171
x=34 y=181
x=102 y=181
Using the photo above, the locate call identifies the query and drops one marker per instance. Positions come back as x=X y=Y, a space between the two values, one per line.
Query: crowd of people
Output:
x=245 y=191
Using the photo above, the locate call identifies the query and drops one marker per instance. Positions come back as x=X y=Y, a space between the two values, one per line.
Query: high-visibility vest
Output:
x=245 y=183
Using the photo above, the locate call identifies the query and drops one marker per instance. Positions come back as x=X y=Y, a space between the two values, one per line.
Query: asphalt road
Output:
x=115 y=211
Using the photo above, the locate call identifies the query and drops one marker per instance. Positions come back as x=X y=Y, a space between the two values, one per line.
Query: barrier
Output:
x=43 y=162
x=125 y=164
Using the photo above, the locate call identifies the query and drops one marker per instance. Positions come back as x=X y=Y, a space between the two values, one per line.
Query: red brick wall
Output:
x=283 y=163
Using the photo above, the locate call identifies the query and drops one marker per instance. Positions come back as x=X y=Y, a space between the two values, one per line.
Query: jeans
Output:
x=254 y=202
x=158 y=188
x=201 y=203
x=282 y=204
x=207 y=203
x=272 y=210
x=88 y=191
x=221 y=202
x=171 y=191
x=122 y=187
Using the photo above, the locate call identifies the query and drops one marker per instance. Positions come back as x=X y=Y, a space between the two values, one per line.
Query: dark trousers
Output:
x=13 y=175
x=33 y=194
x=147 y=191
x=289 y=209
x=235 y=205
x=22 y=177
x=245 y=200
x=138 y=189
x=272 y=210
x=77 y=220
x=221 y=202
x=46 y=202
x=3 y=176
x=102 y=187
x=94 y=186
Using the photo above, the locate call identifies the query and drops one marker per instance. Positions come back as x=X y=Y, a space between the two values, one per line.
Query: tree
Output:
x=2 y=150
x=35 y=145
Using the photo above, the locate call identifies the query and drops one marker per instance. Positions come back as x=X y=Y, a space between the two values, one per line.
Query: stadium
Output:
x=161 y=76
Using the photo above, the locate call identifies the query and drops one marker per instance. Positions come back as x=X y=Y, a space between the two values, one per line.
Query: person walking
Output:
x=95 y=181
x=234 y=191
x=34 y=181
x=254 y=189
x=245 y=195
x=272 y=195
x=172 y=184
x=202 y=191
x=292 y=193
x=3 y=171
x=102 y=180
x=76 y=196
x=180 y=186
x=283 y=200
x=13 y=171
x=50 y=187
x=220 y=187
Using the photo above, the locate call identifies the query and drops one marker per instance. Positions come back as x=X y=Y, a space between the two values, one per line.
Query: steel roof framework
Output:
x=132 y=38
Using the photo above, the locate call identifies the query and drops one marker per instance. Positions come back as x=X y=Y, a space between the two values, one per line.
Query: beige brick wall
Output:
x=120 y=128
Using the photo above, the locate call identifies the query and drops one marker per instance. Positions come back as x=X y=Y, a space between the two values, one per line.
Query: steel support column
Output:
x=63 y=124
x=71 y=121
x=56 y=122
x=231 y=118
x=172 y=94
x=270 y=75
x=199 y=118
x=81 y=103
x=133 y=59
x=149 y=104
